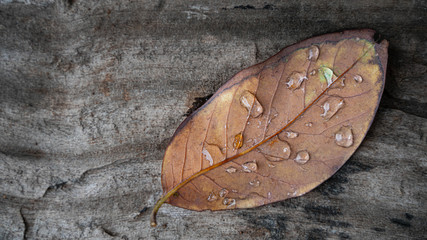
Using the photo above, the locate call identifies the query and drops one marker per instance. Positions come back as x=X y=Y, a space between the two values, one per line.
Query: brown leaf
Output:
x=277 y=129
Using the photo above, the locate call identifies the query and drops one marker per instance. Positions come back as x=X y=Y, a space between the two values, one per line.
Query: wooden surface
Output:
x=91 y=92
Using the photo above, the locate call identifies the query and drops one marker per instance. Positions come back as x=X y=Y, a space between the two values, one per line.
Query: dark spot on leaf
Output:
x=198 y=102
x=400 y=222
x=244 y=7
x=317 y=234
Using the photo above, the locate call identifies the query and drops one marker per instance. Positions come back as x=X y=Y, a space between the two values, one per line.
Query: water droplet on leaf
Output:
x=231 y=170
x=295 y=80
x=287 y=134
x=229 y=202
x=249 y=166
x=238 y=141
x=313 y=53
x=309 y=124
x=344 y=137
x=302 y=157
x=247 y=99
x=271 y=165
x=331 y=107
x=207 y=156
x=255 y=183
x=340 y=83
x=276 y=150
x=212 y=197
x=358 y=78
x=274 y=113
x=313 y=72
x=223 y=192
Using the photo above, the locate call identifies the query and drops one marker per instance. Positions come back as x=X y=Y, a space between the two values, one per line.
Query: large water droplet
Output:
x=302 y=157
x=231 y=170
x=313 y=53
x=250 y=166
x=358 y=78
x=212 y=197
x=223 y=192
x=255 y=183
x=287 y=134
x=247 y=99
x=344 y=137
x=295 y=80
x=229 y=202
x=207 y=156
x=331 y=107
x=276 y=150
x=238 y=141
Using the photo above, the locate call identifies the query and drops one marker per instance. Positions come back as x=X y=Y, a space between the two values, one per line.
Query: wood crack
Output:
x=26 y=224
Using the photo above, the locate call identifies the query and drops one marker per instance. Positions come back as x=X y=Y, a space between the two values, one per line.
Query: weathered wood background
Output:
x=91 y=92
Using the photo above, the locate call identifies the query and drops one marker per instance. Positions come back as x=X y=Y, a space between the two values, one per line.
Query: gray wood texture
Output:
x=92 y=91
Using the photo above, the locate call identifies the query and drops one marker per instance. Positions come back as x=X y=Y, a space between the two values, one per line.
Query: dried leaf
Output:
x=277 y=129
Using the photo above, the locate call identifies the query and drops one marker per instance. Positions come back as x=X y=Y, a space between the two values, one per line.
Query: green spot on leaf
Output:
x=326 y=75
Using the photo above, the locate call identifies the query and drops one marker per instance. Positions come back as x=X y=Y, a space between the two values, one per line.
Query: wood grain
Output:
x=90 y=92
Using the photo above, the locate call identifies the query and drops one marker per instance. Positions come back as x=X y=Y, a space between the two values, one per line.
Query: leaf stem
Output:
x=165 y=197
